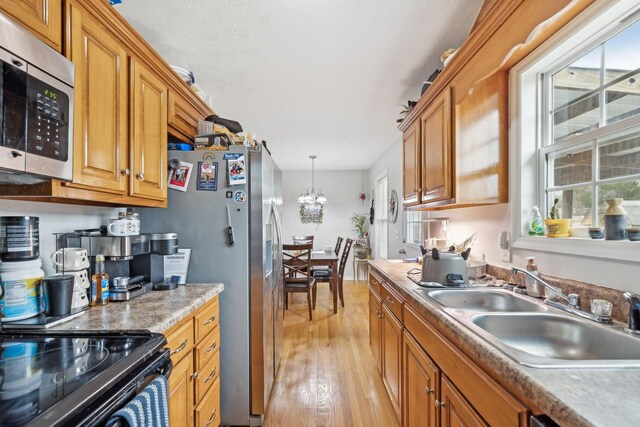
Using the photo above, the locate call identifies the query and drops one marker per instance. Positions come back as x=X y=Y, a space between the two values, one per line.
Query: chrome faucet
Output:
x=573 y=300
x=634 y=313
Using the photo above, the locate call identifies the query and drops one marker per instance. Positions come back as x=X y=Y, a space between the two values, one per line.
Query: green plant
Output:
x=361 y=227
x=554 y=212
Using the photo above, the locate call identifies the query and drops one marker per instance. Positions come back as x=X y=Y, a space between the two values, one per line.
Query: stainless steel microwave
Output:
x=36 y=108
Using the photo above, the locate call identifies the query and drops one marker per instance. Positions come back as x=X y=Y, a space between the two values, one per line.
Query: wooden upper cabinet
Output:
x=437 y=166
x=455 y=410
x=482 y=143
x=421 y=386
x=100 y=135
x=411 y=164
x=148 y=127
x=183 y=117
x=42 y=17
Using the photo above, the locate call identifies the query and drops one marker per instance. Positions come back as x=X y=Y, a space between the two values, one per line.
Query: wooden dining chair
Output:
x=317 y=268
x=297 y=277
x=327 y=275
x=303 y=240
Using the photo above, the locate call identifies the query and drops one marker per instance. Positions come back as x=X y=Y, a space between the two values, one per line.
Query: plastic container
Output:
x=22 y=293
x=536 y=224
x=534 y=288
x=19 y=238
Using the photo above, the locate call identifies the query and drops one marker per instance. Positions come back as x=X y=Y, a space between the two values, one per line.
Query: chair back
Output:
x=338 y=244
x=345 y=256
x=303 y=240
x=296 y=260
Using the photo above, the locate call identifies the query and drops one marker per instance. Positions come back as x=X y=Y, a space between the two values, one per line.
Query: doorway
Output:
x=381 y=221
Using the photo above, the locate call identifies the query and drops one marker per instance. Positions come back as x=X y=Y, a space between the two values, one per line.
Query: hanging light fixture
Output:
x=312 y=201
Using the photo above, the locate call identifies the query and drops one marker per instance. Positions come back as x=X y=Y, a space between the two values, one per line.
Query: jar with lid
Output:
x=21 y=295
x=134 y=222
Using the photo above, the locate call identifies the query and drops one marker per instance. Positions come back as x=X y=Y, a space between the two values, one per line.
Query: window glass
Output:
x=627 y=190
x=621 y=53
x=619 y=155
x=568 y=168
x=573 y=204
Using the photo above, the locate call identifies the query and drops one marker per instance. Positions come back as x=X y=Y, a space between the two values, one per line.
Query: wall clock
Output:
x=393 y=207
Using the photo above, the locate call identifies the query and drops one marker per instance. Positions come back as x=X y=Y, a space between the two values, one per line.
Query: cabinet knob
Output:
x=439 y=404
x=428 y=390
x=125 y=171
x=195 y=375
x=140 y=176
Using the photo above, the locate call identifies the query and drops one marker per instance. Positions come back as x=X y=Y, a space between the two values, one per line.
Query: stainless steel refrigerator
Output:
x=251 y=269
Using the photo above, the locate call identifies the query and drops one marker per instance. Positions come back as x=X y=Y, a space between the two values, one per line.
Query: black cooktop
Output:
x=64 y=370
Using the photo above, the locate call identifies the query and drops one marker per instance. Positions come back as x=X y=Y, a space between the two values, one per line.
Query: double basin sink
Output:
x=534 y=334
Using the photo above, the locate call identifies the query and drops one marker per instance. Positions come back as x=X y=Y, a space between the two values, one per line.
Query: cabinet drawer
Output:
x=207 y=347
x=208 y=411
x=375 y=283
x=207 y=319
x=392 y=300
x=207 y=376
x=180 y=341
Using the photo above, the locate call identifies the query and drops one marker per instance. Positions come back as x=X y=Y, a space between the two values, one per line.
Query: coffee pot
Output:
x=446 y=267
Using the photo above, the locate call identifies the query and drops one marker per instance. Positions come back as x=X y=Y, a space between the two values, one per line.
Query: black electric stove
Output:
x=74 y=377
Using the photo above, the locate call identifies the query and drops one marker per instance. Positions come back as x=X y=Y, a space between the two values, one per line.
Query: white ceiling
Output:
x=325 y=77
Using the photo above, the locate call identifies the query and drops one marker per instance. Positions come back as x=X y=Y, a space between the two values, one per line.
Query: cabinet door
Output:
x=455 y=410
x=392 y=357
x=420 y=382
x=437 y=154
x=375 y=328
x=42 y=17
x=181 y=393
x=183 y=117
x=148 y=124
x=411 y=164
x=100 y=135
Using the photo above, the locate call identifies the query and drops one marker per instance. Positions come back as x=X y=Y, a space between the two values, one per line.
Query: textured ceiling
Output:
x=324 y=77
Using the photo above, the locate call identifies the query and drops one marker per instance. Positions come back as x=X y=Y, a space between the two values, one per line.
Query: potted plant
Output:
x=361 y=227
x=556 y=226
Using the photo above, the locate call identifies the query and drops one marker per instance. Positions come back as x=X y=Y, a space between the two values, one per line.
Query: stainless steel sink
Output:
x=483 y=300
x=557 y=340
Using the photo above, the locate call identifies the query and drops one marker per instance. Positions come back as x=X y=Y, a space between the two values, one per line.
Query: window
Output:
x=591 y=146
x=577 y=139
x=381 y=218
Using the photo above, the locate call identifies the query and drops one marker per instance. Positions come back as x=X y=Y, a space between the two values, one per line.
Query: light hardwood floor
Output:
x=327 y=375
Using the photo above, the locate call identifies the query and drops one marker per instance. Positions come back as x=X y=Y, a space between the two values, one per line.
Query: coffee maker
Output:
x=135 y=264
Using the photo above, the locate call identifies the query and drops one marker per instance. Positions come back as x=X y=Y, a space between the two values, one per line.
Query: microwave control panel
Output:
x=48 y=127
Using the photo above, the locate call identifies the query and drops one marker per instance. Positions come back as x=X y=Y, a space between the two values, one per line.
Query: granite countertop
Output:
x=572 y=397
x=156 y=311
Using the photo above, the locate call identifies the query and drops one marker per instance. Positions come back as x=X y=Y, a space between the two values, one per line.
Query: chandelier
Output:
x=312 y=201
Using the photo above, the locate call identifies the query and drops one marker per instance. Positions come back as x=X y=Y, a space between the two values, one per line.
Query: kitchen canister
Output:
x=21 y=286
x=19 y=238
x=615 y=220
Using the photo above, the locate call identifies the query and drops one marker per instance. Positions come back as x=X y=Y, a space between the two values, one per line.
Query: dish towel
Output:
x=150 y=408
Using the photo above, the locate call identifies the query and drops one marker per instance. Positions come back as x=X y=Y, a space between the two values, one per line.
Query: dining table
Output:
x=328 y=259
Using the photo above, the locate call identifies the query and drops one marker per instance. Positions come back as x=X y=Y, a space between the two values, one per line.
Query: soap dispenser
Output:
x=534 y=288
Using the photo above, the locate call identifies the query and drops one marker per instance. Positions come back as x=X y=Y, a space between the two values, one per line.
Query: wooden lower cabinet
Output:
x=420 y=385
x=431 y=382
x=375 y=327
x=194 y=384
x=181 y=393
x=455 y=410
x=392 y=357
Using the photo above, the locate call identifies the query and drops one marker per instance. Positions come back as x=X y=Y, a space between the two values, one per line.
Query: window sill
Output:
x=622 y=250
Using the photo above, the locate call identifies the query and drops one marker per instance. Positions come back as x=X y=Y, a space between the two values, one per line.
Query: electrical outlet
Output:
x=504 y=241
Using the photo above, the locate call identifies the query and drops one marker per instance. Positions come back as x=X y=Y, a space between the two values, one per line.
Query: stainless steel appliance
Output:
x=72 y=377
x=135 y=264
x=251 y=268
x=36 y=108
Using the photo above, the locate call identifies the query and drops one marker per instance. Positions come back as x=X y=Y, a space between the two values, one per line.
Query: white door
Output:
x=381 y=221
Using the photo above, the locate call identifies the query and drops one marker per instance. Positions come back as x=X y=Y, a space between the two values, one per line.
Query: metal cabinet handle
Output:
x=440 y=404
x=390 y=301
x=213 y=346
x=140 y=176
x=213 y=417
x=210 y=320
x=428 y=390
x=213 y=374
x=182 y=347
x=126 y=171
x=195 y=375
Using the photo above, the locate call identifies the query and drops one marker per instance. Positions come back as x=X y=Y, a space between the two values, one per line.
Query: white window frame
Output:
x=526 y=130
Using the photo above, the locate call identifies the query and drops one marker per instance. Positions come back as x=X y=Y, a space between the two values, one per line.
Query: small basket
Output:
x=476 y=269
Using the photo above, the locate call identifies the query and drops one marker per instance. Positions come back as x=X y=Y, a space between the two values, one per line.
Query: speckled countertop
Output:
x=156 y=311
x=572 y=397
